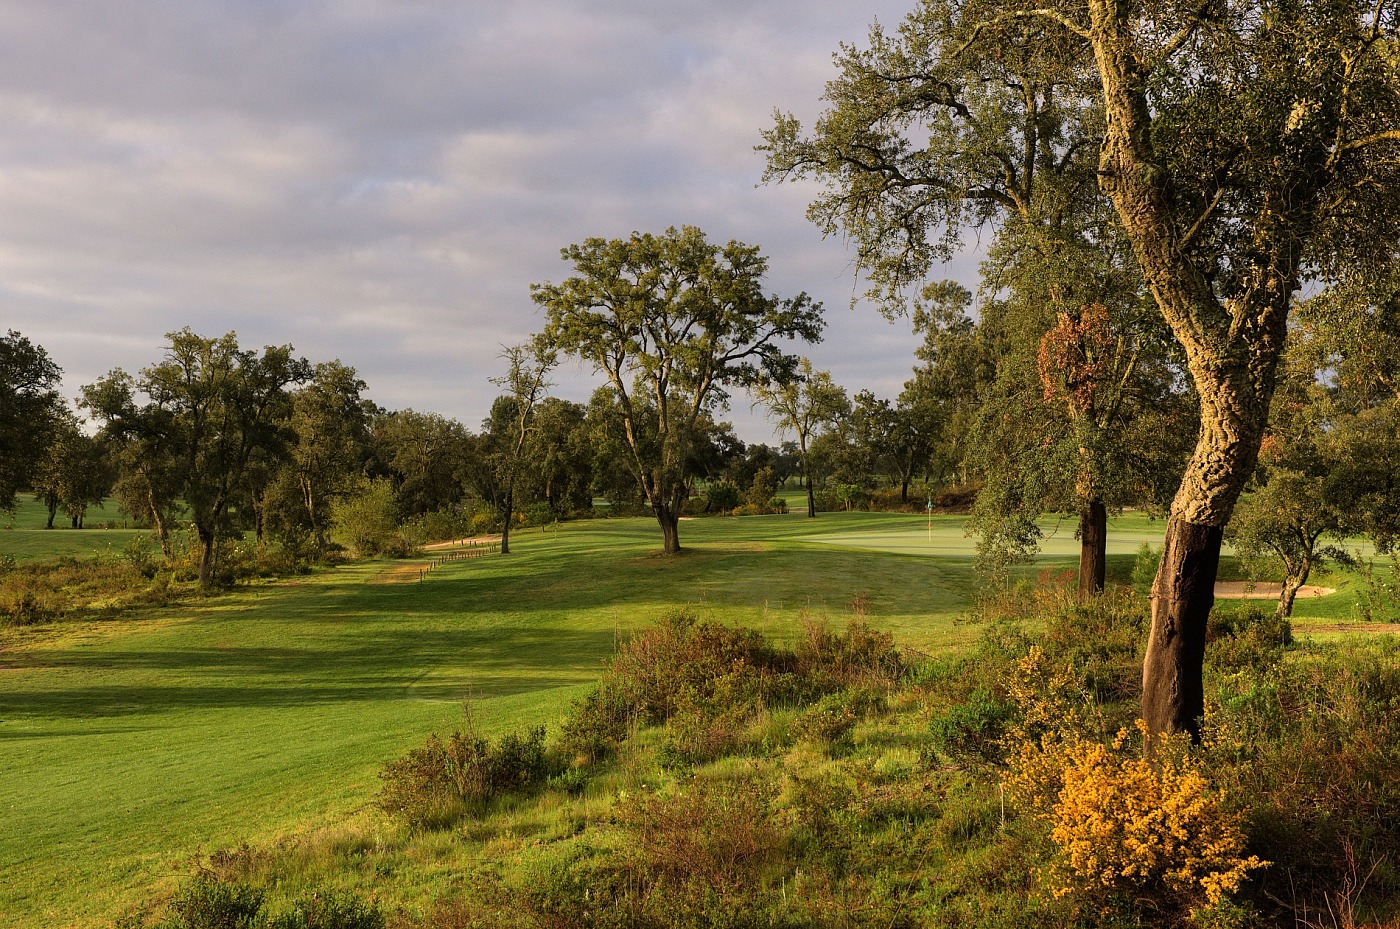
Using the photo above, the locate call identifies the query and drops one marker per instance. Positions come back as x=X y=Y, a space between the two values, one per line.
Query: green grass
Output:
x=24 y=538
x=131 y=745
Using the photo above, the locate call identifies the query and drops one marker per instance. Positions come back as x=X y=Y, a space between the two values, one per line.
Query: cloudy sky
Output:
x=380 y=181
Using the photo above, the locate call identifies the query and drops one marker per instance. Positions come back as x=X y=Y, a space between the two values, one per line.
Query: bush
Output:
x=366 y=521
x=206 y=903
x=1310 y=747
x=832 y=719
x=709 y=836
x=972 y=730
x=441 y=782
x=328 y=910
x=1246 y=637
x=1145 y=568
x=704 y=667
x=859 y=656
x=722 y=497
x=1130 y=827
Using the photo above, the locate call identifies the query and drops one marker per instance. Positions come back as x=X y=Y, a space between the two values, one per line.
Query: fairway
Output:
x=130 y=745
x=24 y=538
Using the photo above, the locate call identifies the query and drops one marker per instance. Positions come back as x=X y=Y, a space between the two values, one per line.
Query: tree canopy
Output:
x=673 y=322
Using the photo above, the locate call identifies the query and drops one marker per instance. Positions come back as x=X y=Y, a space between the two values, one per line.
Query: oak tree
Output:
x=673 y=323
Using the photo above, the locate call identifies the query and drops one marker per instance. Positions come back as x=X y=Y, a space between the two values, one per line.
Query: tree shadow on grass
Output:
x=377 y=666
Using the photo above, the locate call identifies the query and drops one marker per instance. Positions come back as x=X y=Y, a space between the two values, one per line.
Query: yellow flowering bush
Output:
x=1121 y=822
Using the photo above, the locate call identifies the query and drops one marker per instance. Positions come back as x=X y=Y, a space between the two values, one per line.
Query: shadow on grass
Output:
x=374 y=666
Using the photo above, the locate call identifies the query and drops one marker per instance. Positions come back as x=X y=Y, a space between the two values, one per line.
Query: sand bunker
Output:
x=1264 y=590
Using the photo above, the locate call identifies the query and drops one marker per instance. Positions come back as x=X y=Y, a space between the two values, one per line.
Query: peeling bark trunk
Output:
x=1093 y=548
x=1232 y=349
x=1173 y=695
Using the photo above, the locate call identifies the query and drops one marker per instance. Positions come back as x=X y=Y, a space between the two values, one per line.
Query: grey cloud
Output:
x=381 y=181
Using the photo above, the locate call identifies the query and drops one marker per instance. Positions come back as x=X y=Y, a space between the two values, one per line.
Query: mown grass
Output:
x=132 y=744
x=24 y=538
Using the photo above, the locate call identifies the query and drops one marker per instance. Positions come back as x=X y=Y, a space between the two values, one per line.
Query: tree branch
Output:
x=1054 y=16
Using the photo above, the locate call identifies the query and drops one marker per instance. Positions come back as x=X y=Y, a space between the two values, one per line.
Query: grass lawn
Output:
x=130 y=745
x=24 y=538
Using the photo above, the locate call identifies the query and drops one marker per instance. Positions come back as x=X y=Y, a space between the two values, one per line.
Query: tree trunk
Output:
x=1093 y=548
x=1173 y=695
x=1232 y=351
x=206 y=558
x=1297 y=577
x=508 y=511
x=53 y=510
x=904 y=489
x=670 y=528
x=811 y=498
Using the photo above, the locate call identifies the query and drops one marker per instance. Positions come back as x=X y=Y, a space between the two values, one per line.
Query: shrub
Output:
x=485 y=523
x=972 y=730
x=1310 y=746
x=1145 y=568
x=711 y=834
x=441 y=782
x=832 y=719
x=366 y=521
x=1247 y=637
x=856 y=657
x=722 y=497
x=206 y=903
x=1126 y=825
x=328 y=910
x=705 y=667
x=763 y=490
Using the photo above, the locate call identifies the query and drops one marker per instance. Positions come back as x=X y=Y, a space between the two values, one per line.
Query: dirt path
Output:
x=409 y=573
x=457 y=543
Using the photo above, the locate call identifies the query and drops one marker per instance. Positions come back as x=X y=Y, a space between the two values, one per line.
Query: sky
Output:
x=380 y=181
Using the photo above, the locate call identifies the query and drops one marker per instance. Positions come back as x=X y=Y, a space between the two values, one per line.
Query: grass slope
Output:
x=128 y=746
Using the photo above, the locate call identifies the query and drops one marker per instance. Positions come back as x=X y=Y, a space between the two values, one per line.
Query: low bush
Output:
x=441 y=782
x=832 y=720
x=858 y=656
x=1309 y=748
x=203 y=903
x=703 y=667
x=327 y=910
x=972 y=730
x=1246 y=637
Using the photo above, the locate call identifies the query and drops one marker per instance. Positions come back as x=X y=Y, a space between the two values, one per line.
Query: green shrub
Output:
x=1309 y=748
x=441 y=782
x=328 y=910
x=855 y=657
x=722 y=497
x=831 y=720
x=972 y=730
x=705 y=667
x=1145 y=568
x=1246 y=637
x=206 y=903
